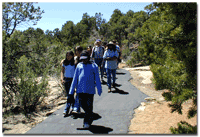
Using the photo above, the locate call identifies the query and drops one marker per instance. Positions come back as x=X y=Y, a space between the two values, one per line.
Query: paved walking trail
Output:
x=112 y=111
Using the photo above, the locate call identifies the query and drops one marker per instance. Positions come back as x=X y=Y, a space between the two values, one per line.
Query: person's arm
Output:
x=116 y=54
x=61 y=62
x=98 y=82
x=62 y=74
x=76 y=60
x=106 y=56
x=119 y=53
x=92 y=54
x=74 y=82
x=114 y=57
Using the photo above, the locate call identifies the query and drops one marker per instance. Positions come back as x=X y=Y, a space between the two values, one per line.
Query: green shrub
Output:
x=32 y=89
x=184 y=128
x=125 y=52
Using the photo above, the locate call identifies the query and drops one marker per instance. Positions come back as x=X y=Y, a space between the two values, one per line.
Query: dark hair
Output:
x=113 y=47
x=79 y=48
x=105 y=43
x=71 y=62
x=86 y=53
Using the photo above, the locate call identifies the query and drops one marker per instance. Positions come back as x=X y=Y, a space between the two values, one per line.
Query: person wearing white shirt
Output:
x=67 y=74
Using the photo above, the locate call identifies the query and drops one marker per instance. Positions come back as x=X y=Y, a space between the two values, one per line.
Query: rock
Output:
x=49 y=113
x=53 y=110
x=143 y=104
x=142 y=108
x=63 y=98
x=61 y=102
x=150 y=99
x=162 y=99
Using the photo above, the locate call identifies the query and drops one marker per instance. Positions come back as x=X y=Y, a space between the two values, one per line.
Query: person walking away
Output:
x=97 y=54
x=76 y=109
x=67 y=73
x=110 y=58
x=85 y=79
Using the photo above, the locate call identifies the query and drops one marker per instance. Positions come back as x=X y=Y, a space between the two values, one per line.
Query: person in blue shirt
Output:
x=85 y=79
x=110 y=57
x=67 y=73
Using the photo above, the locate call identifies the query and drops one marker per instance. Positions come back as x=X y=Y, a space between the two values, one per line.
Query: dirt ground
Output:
x=19 y=124
x=152 y=117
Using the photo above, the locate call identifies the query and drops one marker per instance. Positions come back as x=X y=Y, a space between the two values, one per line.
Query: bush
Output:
x=32 y=89
x=136 y=59
x=184 y=128
x=125 y=52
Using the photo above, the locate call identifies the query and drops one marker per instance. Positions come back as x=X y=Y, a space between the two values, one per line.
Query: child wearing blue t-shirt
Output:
x=85 y=79
x=67 y=73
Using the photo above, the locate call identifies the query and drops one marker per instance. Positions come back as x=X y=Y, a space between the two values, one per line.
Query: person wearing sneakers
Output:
x=76 y=109
x=85 y=79
x=110 y=57
x=67 y=74
x=97 y=54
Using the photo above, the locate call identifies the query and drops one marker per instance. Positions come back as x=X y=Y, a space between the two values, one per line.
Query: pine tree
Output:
x=169 y=44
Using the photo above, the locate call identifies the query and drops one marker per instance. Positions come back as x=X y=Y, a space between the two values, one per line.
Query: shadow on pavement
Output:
x=104 y=82
x=96 y=129
x=118 y=85
x=96 y=116
x=82 y=115
x=119 y=91
x=120 y=73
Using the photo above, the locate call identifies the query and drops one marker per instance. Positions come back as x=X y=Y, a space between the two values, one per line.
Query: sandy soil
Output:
x=152 y=117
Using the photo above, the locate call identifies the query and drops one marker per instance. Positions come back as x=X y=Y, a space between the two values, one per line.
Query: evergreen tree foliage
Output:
x=184 y=128
x=15 y=13
x=168 y=41
x=31 y=89
x=68 y=34
x=167 y=36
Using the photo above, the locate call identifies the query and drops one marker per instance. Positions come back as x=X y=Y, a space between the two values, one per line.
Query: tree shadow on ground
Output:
x=119 y=91
x=96 y=129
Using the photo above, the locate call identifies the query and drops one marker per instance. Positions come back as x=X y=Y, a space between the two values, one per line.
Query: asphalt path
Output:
x=112 y=111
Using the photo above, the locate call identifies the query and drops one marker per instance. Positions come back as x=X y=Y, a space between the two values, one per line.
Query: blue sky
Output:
x=57 y=13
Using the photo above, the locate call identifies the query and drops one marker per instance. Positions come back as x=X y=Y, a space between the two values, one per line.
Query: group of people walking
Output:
x=80 y=75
